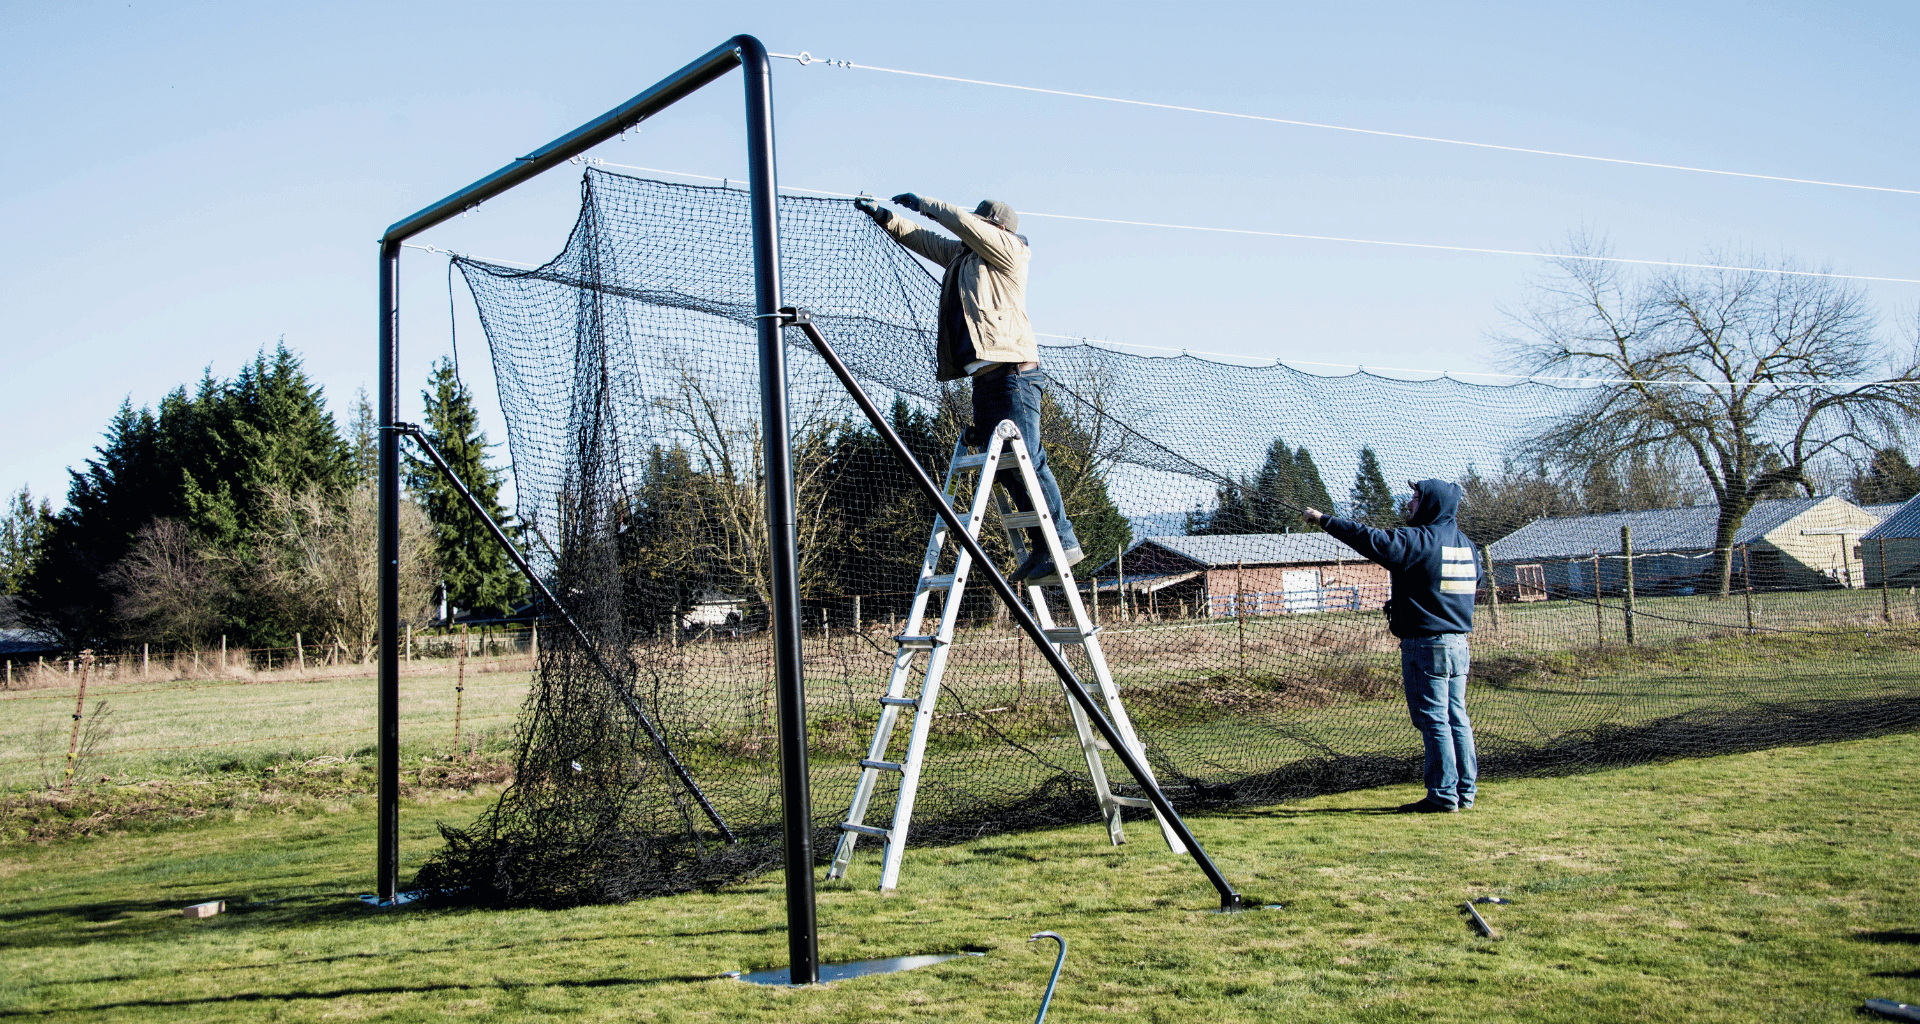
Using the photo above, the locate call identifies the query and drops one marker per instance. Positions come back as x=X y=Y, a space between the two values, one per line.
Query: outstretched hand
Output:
x=865 y=205
x=908 y=200
x=1312 y=515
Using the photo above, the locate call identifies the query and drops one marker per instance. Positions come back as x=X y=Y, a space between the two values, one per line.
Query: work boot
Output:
x=1039 y=565
x=1426 y=806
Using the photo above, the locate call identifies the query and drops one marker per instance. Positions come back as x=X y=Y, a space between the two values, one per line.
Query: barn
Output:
x=1793 y=543
x=1895 y=543
x=1241 y=574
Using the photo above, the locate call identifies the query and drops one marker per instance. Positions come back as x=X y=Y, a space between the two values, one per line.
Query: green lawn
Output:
x=1777 y=885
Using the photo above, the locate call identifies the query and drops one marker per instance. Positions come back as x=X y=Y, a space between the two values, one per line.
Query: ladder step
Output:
x=1133 y=801
x=867 y=830
x=1070 y=635
x=885 y=766
x=1020 y=520
x=916 y=643
x=900 y=702
x=966 y=463
x=940 y=582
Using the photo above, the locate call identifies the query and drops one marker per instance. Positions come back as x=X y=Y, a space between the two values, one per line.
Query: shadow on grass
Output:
x=345 y=993
x=1897 y=938
x=69 y=925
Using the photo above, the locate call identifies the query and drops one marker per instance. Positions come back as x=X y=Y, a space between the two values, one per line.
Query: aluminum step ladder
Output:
x=1005 y=444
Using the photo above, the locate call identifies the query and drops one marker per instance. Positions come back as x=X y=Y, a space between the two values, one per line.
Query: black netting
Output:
x=1251 y=653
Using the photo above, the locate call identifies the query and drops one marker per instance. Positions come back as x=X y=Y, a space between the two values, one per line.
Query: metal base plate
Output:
x=1898 y=1011
x=400 y=899
x=856 y=969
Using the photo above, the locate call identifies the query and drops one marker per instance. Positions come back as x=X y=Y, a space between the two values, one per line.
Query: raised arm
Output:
x=929 y=243
x=1000 y=248
x=1393 y=549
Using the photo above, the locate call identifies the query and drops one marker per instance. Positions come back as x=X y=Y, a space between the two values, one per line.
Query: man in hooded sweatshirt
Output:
x=984 y=334
x=1435 y=571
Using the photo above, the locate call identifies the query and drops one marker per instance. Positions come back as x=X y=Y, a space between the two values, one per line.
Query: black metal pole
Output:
x=796 y=798
x=1229 y=899
x=614 y=679
x=387 y=860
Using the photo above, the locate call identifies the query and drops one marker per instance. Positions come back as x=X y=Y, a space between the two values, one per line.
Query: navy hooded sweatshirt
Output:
x=1434 y=567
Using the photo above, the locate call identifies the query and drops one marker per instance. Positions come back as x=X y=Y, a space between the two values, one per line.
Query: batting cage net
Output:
x=1250 y=649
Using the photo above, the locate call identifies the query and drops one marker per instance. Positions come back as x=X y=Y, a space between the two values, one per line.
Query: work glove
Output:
x=908 y=200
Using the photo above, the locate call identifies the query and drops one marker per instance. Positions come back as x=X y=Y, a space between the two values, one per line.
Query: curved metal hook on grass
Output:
x=1058 y=962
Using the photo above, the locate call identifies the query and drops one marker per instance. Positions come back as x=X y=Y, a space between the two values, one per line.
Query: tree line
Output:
x=240 y=508
x=693 y=529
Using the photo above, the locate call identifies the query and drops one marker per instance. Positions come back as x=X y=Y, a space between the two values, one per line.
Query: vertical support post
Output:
x=1599 y=625
x=459 y=688
x=1493 y=587
x=796 y=798
x=1626 y=552
x=1120 y=581
x=1746 y=570
x=1240 y=612
x=79 y=708
x=387 y=813
x=1886 y=606
x=408 y=632
x=143 y=657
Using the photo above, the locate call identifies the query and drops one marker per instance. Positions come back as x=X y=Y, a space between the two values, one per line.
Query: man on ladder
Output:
x=984 y=334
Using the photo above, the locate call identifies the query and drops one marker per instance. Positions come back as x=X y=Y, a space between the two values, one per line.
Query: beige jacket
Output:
x=986 y=271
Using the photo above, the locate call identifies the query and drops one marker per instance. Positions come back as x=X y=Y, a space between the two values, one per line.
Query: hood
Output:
x=1439 y=502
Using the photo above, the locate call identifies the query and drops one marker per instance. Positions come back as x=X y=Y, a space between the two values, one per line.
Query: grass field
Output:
x=1778 y=885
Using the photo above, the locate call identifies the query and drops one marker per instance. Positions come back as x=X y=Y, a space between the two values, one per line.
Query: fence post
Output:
x=533 y=639
x=856 y=613
x=79 y=706
x=459 y=689
x=1626 y=550
x=1493 y=589
x=223 y=652
x=1599 y=626
x=299 y=652
x=1886 y=606
x=143 y=661
x=409 y=628
x=1120 y=581
x=1240 y=610
x=1746 y=571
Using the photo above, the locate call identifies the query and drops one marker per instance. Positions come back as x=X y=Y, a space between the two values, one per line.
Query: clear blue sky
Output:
x=186 y=183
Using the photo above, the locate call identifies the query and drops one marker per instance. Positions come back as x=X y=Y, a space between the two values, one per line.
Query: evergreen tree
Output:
x=1271 y=500
x=1313 y=490
x=363 y=439
x=478 y=575
x=1373 y=502
x=23 y=531
x=66 y=589
x=1888 y=478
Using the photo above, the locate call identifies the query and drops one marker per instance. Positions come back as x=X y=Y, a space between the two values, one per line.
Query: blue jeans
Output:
x=1015 y=395
x=1434 y=670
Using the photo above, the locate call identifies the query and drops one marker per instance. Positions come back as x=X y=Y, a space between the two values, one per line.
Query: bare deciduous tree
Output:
x=1762 y=378
x=725 y=447
x=322 y=559
x=172 y=585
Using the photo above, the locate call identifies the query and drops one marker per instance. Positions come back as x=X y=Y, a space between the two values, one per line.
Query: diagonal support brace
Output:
x=613 y=678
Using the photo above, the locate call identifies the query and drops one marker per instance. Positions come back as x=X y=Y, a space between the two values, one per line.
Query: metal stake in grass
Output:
x=1485 y=928
x=1047 y=1000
